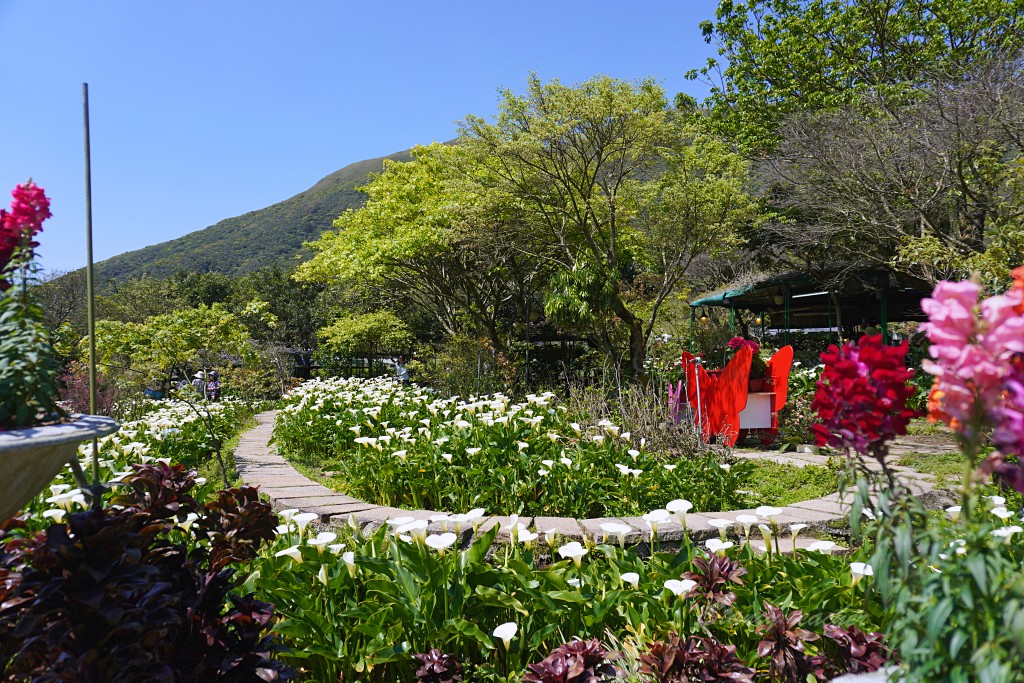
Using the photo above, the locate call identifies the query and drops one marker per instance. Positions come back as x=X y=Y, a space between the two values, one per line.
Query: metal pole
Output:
x=700 y=418
x=787 y=312
x=97 y=488
x=526 y=370
x=829 y=304
x=693 y=318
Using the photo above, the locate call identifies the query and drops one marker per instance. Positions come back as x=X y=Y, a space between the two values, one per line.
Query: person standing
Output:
x=401 y=371
x=213 y=387
x=199 y=383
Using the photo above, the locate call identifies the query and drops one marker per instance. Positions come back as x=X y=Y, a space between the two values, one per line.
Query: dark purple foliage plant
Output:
x=140 y=591
x=694 y=660
x=438 y=667
x=714 y=576
x=785 y=645
x=578 y=661
x=858 y=652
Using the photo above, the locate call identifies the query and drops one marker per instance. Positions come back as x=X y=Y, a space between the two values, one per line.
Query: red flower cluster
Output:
x=862 y=395
x=24 y=220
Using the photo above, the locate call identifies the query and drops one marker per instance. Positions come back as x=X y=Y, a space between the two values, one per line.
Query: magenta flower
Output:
x=862 y=396
x=737 y=343
x=23 y=221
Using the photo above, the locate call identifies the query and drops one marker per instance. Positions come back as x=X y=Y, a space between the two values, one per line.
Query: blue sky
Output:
x=202 y=110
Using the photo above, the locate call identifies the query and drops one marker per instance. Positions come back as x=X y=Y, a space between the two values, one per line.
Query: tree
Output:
x=933 y=187
x=62 y=296
x=778 y=57
x=181 y=339
x=613 y=189
x=294 y=305
x=366 y=334
x=435 y=240
x=141 y=298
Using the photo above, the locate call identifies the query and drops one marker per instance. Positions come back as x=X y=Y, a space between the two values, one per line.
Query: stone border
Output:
x=259 y=465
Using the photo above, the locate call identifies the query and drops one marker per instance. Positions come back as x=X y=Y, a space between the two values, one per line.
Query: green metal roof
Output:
x=721 y=298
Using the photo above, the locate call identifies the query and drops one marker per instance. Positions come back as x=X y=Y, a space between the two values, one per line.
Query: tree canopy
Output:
x=777 y=57
x=587 y=202
x=617 y=193
x=195 y=337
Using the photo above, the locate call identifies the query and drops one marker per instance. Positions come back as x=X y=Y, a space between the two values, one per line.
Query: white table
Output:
x=758 y=413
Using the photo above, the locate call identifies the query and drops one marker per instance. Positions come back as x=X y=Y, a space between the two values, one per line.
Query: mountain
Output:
x=255 y=239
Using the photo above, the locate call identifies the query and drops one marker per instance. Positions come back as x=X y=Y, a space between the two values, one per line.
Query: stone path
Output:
x=260 y=465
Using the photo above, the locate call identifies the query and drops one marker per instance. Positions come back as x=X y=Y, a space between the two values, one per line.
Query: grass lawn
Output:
x=781 y=485
x=945 y=467
x=211 y=469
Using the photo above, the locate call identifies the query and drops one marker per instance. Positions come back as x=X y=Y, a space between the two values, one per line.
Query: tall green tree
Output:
x=933 y=187
x=435 y=240
x=615 y=192
x=193 y=337
x=777 y=57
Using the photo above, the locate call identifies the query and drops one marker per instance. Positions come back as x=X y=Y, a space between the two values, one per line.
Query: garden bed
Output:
x=399 y=447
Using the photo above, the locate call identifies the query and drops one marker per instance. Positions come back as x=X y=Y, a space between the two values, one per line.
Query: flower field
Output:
x=360 y=607
x=171 y=430
x=392 y=445
x=939 y=594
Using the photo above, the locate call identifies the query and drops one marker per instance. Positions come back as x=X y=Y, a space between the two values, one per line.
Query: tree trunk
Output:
x=637 y=350
x=839 y=314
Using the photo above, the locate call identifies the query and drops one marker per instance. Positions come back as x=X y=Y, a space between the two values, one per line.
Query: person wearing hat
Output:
x=213 y=386
x=199 y=383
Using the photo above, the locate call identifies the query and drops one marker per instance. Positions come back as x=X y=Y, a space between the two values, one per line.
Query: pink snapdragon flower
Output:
x=978 y=364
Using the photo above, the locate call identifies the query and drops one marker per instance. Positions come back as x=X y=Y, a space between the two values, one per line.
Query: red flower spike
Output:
x=862 y=395
x=24 y=219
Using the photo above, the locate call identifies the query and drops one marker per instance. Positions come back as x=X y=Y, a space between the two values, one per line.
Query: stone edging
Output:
x=258 y=465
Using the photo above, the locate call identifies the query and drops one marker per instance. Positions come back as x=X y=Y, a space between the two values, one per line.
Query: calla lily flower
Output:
x=506 y=632
x=717 y=546
x=441 y=542
x=822 y=547
x=620 y=530
x=349 y=558
x=680 y=587
x=859 y=570
x=746 y=521
x=768 y=512
x=292 y=552
x=573 y=551
x=303 y=519
x=721 y=525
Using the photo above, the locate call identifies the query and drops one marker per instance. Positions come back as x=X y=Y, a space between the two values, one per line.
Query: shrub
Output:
x=142 y=591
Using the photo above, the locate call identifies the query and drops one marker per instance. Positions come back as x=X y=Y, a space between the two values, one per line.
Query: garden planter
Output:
x=808 y=448
x=30 y=458
x=755 y=385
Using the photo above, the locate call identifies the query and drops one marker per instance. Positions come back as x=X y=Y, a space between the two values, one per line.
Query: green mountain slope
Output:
x=255 y=239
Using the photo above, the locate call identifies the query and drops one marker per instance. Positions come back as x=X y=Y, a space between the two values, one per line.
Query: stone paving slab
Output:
x=261 y=465
x=502 y=522
x=566 y=528
x=669 y=532
x=592 y=528
x=296 y=490
x=831 y=507
x=810 y=516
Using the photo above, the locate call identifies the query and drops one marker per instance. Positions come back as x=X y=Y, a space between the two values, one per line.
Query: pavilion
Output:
x=792 y=300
